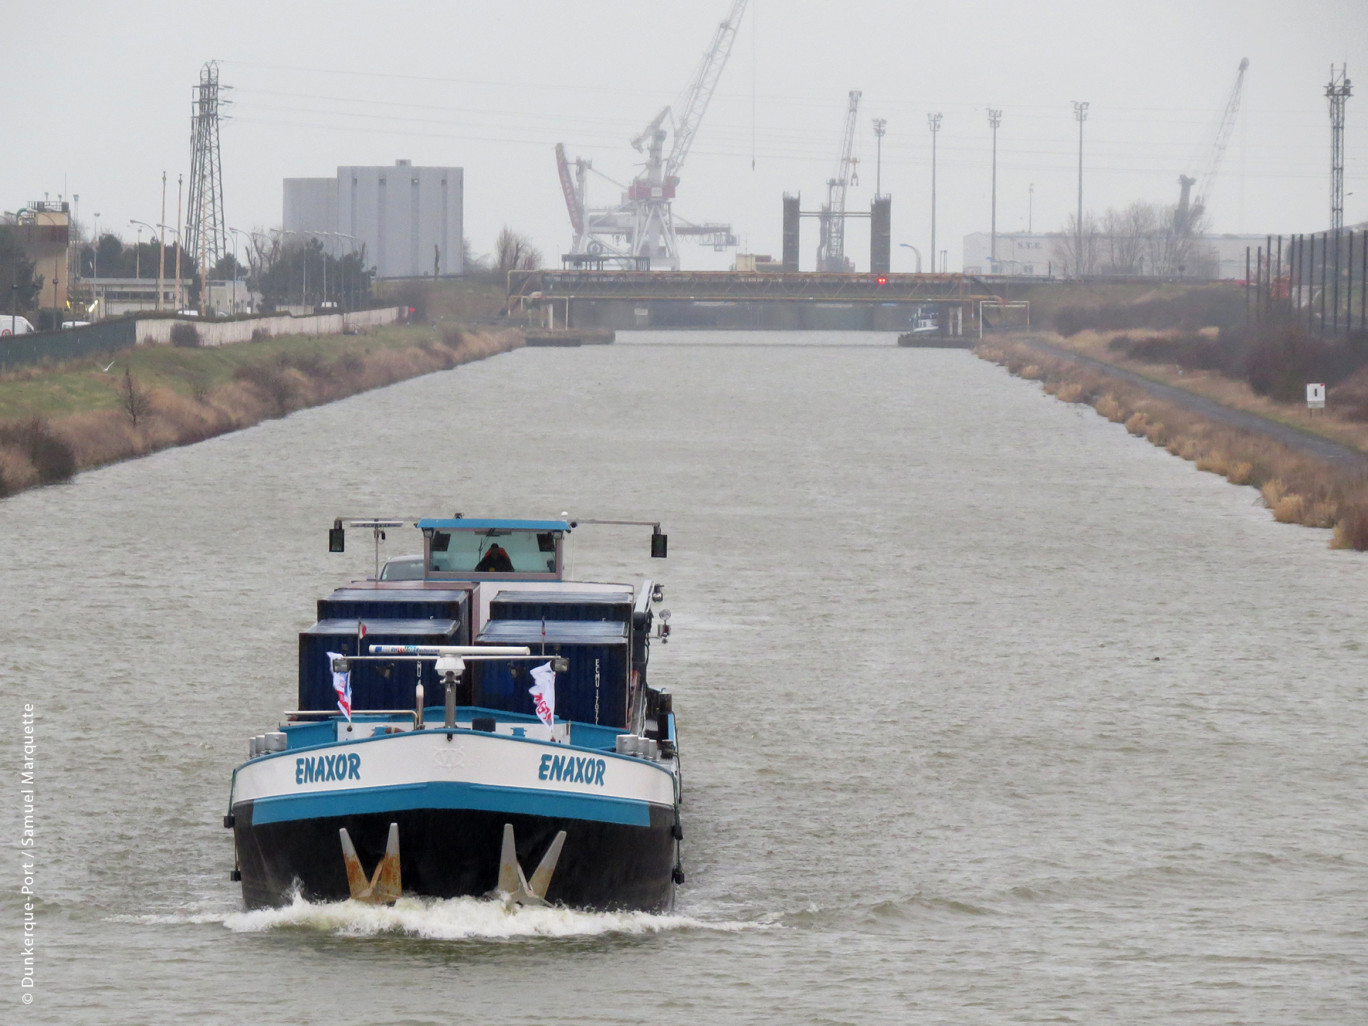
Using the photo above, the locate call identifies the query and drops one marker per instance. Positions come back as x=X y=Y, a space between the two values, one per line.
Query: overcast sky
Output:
x=100 y=109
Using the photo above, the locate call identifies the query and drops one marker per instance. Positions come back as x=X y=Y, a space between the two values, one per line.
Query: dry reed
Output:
x=1295 y=487
x=29 y=452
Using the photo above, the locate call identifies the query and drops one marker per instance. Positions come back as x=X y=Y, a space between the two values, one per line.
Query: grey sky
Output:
x=100 y=109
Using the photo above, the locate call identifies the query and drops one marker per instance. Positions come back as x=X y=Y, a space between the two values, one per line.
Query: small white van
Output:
x=11 y=324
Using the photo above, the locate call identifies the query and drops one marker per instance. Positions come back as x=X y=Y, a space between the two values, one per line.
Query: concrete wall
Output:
x=228 y=332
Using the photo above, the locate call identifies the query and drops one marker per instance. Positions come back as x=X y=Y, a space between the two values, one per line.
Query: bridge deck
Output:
x=714 y=286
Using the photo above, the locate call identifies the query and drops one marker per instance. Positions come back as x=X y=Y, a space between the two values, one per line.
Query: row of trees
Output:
x=1143 y=239
x=284 y=271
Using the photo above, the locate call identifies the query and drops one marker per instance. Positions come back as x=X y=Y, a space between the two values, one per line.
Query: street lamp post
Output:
x=236 y=267
x=934 y=121
x=1081 y=113
x=915 y=250
x=137 y=253
x=161 y=249
x=994 y=119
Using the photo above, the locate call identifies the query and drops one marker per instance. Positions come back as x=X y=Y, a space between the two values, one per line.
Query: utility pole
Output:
x=934 y=121
x=880 y=125
x=180 y=302
x=1081 y=113
x=1030 y=203
x=994 y=119
x=1337 y=92
x=161 y=249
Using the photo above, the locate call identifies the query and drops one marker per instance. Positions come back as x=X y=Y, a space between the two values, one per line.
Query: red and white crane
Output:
x=644 y=225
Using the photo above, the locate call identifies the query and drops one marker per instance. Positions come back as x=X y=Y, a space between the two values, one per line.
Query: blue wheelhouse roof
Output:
x=472 y=524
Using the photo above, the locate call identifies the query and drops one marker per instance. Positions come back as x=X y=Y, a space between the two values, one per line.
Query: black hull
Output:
x=448 y=853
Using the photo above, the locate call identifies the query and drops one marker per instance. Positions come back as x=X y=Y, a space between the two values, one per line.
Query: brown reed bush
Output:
x=1296 y=488
x=17 y=471
x=1070 y=392
x=1031 y=372
x=1351 y=529
x=1110 y=408
x=49 y=454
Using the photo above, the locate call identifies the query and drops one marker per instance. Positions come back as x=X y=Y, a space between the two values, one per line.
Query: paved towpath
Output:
x=1336 y=453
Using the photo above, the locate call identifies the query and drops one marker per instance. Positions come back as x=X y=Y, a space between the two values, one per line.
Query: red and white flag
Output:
x=341 y=684
x=543 y=692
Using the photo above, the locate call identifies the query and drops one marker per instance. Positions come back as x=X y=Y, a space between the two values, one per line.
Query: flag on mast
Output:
x=543 y=692
x=341 y=684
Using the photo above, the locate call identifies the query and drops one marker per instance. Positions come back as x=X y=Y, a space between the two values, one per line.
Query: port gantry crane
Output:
x=1190 y=204
x=831 y=245
x=644 y=225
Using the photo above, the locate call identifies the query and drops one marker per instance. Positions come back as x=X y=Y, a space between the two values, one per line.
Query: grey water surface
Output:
x=990 y=712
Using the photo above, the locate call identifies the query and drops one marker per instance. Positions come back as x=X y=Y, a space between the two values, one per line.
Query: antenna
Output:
x=1337 y=92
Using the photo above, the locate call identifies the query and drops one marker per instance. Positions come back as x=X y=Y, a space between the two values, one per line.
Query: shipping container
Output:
x=398 y=604
x=378 y=684
x=615 y=606
x=592 y=690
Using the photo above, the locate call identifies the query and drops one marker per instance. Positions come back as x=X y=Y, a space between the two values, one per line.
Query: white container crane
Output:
x=831 y=245
x=644 y=225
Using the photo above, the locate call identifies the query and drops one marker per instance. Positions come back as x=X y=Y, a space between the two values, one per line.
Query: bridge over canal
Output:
x=625 y=300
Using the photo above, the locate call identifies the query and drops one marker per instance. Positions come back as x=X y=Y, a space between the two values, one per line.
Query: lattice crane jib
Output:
x=1192 y=202
x=206 y=230
x=831 y=246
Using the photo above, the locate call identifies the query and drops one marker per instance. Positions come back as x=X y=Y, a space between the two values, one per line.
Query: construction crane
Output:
x=644 y=225
x=831 y=245
x=1192 y=204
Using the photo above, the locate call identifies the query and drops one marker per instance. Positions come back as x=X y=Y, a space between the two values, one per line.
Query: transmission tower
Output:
x=1337 y=92
x=206 y=235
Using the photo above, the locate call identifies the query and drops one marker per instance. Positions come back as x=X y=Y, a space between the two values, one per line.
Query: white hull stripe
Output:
x=450 y=795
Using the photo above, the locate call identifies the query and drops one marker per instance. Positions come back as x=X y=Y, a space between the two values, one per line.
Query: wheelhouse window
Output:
x=492 y=551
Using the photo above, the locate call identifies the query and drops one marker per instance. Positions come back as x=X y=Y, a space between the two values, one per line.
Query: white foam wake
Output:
x=458 y=919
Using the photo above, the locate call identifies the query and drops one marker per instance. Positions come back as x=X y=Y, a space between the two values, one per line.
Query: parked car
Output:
x=11 y=324
x=403 y=568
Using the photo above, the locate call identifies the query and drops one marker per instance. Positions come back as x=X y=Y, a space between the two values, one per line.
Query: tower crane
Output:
x=831 y=246
x=1190 y=204
x=644 y=225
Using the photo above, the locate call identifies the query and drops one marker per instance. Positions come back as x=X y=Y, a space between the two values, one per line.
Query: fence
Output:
x=1317 y=280
x=74 y=343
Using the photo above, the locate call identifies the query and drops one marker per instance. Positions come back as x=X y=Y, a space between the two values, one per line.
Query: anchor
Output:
x=513 y=887
x=384 y=887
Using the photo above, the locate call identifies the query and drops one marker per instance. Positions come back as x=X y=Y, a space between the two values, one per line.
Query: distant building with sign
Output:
x=409 y=219
x=1046 y=254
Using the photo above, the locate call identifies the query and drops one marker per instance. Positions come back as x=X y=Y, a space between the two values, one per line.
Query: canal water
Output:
x=990 y=712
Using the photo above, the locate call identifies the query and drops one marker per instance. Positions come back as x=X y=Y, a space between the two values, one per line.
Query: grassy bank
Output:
x=1297 y=488
x=60 y=419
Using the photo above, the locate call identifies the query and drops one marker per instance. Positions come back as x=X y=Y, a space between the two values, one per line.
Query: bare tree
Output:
x=135 y=400
x=515 y=252
x=1066 y=247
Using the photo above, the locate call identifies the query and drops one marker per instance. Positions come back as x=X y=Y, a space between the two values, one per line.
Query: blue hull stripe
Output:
x=448 y=795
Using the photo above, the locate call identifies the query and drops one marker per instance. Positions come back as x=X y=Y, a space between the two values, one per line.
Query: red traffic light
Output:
x=881 y=280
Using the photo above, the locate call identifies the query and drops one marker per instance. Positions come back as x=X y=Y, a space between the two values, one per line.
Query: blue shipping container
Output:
x=378 y=684
x=562 y=605
x=592 y=690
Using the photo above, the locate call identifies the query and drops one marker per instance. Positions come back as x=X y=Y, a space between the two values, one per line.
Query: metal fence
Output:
x=1320 y=281
x=69 y=344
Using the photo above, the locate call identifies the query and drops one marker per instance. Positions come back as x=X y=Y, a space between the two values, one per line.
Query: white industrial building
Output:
x=409 y=219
